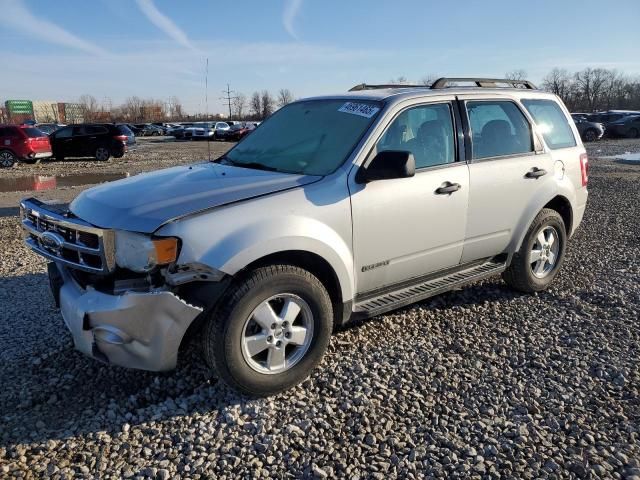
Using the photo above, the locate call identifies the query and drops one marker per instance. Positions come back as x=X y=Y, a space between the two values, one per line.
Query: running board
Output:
x=407 y=295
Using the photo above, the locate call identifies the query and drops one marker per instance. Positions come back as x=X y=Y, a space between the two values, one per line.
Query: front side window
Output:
x=312 y=137
x=426 y=131
x=498 y=128
x=551 y=122
x=64 y=132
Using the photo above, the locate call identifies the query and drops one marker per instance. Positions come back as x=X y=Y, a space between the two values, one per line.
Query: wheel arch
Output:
x=558 y=202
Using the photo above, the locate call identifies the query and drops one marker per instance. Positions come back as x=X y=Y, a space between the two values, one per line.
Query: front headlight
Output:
x=142 y=253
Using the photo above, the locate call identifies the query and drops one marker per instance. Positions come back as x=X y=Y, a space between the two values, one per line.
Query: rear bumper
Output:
x=134 y=330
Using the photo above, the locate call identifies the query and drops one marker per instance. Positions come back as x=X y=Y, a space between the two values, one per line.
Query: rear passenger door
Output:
x=508 y=167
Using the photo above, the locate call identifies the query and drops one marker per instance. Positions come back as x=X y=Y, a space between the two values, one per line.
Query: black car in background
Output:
x=589 y=131
x=609 y=118
x=628 y=126
x=99 y=140
x=48 y=128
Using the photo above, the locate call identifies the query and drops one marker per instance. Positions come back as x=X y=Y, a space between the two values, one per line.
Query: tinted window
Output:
x=79 y=130
x=499 y=128
x=311 y=137
x=124 y=130
x=95 y=130
x=426 y=131
x=551 y=122
x=64 y=132
x=34 y=132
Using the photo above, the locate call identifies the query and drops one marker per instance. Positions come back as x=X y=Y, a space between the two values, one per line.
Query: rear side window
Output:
x=64 y=132
x=499 y=128
x=551 y=122
x=124 y=130
x=33 y=132
x=95 y=130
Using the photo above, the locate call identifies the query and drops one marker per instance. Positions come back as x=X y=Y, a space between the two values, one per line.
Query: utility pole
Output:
x=228 y=97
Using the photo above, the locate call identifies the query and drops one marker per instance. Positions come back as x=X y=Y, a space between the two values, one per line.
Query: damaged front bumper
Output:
x=134 y=330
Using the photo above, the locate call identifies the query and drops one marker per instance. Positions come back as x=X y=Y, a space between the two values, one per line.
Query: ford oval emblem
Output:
x=52 y=241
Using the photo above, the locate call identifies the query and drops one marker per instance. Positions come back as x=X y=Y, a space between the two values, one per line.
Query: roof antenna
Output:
x=206 y=103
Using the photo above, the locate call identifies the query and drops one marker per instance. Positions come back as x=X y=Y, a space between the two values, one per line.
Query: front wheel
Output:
x=271 y=330
x=102 y=154
x=541 y=254
x=633 y=133
x=7 y=159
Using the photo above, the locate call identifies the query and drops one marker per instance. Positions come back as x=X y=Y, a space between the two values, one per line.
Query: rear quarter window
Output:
x=552 y=123
x=33 y=132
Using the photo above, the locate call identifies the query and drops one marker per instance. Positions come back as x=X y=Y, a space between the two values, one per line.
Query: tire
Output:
x=590 y=135
x=102 y=154
x=227 y=329
x=527 y=276
x=633 y=133
x=7 y=159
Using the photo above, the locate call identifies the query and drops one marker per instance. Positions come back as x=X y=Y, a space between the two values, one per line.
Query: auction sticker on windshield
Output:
x=361 y=109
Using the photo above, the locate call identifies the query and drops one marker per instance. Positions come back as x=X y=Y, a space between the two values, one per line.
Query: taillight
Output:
x=584 y=168
x=121 y=138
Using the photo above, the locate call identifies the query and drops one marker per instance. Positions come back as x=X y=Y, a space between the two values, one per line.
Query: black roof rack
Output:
x=445 y=82
x=364 y=86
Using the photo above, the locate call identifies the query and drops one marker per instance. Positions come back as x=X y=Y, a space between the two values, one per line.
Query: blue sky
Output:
x=59 y=50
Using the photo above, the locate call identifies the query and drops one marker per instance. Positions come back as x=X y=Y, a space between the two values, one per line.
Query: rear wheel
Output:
x=102 y=154
x=541 y=254
x=271 y=331
x=590 y=135
x=7 y=159
x=633 y=133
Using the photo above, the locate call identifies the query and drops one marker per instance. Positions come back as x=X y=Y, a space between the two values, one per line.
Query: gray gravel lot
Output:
x=479 y=382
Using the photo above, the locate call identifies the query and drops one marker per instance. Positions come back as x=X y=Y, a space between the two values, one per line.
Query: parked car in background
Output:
x=589 y=131
x=148 y=130
x=609 y=117
x=205 y=130
x=236 y=131
x=22 y=143
x=177 y=130
x=99 y=140
x=628 y=126
x=49 y=128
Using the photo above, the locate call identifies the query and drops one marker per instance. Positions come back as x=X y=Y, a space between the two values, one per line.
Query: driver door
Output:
x=405 y=228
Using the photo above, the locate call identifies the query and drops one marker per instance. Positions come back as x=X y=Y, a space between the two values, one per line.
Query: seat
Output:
x=496 y=139
x=429 y=147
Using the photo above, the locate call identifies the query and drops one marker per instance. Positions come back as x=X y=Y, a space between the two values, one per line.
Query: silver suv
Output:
x=336 y=207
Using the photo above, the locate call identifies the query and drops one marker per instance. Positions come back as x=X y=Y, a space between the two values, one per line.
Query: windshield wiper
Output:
x=254 y=165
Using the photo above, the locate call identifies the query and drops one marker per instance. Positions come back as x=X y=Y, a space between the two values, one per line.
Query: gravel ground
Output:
x=479 y=382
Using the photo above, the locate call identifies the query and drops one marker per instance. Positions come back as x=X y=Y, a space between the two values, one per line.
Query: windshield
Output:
x=311 y=137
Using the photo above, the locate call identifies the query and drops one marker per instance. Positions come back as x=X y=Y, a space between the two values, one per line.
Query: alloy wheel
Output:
x=102 y=154
x=544 y=254
x=277 y=334
x=6 y=159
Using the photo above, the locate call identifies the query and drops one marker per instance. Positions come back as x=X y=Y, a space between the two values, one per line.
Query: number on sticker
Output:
x=362 y=109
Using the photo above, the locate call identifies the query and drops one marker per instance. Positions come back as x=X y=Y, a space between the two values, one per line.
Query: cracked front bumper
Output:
x=134 y=330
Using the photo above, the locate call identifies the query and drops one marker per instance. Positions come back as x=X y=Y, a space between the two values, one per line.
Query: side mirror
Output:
x=387 y=165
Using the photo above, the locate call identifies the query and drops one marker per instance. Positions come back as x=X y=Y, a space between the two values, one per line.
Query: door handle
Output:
x=448 y=188
x=535 y=172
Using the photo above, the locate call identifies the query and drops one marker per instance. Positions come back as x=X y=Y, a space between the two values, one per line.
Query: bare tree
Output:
x=89 y=107
x=429 y=79
x=592 y=82
x=401 y=80
x=239 y=105
x=255 y=104
x=268 y=104
x=516 y=75
x=557 y=81
x=284 y=97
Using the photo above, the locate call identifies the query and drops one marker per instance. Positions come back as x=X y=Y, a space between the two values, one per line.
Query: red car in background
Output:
x=24 y=143
x=237 y=131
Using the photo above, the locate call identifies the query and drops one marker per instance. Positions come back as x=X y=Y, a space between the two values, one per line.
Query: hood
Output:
x=144 y=202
